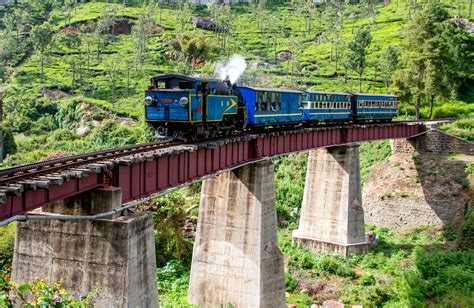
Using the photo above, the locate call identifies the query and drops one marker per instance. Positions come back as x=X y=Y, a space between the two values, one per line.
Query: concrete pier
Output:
x=332 y=217
x=117 y=255
x=236 y=259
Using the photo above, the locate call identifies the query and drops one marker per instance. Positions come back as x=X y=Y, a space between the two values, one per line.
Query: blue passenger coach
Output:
x=327 y=106
x=270 y=106
x=376 y=106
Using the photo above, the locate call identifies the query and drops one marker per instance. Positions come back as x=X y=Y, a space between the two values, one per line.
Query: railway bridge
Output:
x=77 y=223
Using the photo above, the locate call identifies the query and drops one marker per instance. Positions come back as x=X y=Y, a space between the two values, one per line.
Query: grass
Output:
x=463 y=128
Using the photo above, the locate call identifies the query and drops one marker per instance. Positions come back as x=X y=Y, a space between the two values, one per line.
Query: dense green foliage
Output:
x=462 y=128
x=102 y=55
x=68 y=65
x=403 y=269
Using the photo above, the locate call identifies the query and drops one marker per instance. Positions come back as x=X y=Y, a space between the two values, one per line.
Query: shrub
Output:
x=335 y=265
x=41 y=293
x=466 y=236
x=453 y=110
x=291 y=283
x=9 y=145
x=367 y=280
x=169 y=217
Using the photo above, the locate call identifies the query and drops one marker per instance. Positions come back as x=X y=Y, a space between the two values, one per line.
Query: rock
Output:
x=304 y=291
x=285 y=55
x=314 y=306
x=83 y=131
x=291 y=305
x=206 y=23
x=332 y=304
x=371 y=237
x=96 y=123
x=157 y=30
x=193 y=219
x=53 y=94
x=127 y=123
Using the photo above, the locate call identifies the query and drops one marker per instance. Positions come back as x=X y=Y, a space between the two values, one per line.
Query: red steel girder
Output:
x=145 y=177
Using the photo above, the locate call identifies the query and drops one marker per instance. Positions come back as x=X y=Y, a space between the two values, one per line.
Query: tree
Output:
x=357 y=52
x=160 y=4
x=73 y=41
x=41 y=37
x=427 y=57
x=194 y=50
x=370 y=8
x=104 y=26
x=388 y=64
x=15 y=23
x=183 y=13
x=112 y=70
x=141 y=31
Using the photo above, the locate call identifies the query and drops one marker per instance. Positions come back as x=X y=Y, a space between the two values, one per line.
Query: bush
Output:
x=335 y=265
x=9 y=145
x=443 y=273
x=466 y=236
x=463 y=128
x=40 y=293
x=169 y=217
x=453 y=110
x=291 y=283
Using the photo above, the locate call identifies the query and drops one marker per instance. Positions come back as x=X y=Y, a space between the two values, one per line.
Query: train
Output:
x=191 y=108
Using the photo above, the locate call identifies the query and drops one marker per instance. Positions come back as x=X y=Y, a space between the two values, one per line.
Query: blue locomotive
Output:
x=189 y=107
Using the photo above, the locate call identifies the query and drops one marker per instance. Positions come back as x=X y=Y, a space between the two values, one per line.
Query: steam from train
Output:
x=231 y=69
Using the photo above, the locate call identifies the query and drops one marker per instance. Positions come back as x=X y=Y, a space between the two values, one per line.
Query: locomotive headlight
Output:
x=183 y=101
x=148 y=100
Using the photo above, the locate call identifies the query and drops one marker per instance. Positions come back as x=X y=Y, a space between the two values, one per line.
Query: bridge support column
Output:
x=332 y=217
x=117 y=255
x=236 y=259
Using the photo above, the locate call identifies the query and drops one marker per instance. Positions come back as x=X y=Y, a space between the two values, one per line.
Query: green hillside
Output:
x=98 y=58
x=101 y=56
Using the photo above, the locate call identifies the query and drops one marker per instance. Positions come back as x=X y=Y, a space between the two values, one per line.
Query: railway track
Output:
x=19 y=173
x=49 y=169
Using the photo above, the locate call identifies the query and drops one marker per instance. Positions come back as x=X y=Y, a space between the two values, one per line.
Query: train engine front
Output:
x=183 y=107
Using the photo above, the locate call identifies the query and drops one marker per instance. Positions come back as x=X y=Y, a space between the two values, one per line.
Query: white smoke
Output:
x=231 y=69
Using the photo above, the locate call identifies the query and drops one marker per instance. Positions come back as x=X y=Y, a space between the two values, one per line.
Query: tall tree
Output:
x=104 y=27
x=426 y=57
x=15 y=23
x=73 y=42
x=141 y=31
x=112 y=71
x=388 y=64
x=41 y=37
x=356 y=56
x=183 y=13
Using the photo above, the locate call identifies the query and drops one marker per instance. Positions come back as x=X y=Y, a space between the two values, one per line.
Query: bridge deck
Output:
x=154 y=169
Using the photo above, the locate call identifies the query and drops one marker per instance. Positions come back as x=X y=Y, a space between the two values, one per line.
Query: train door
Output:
x=197 y=104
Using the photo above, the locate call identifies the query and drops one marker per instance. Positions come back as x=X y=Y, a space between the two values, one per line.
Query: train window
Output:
x=261 y=101
x=160 y=85
x=264 y=101
x=274 y=101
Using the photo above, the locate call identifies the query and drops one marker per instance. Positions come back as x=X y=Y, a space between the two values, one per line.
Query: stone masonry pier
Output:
x=332 y=217
x=236 y=259
x=117 y=255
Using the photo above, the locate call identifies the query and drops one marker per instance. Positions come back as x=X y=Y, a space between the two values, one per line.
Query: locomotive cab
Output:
x=181 y=106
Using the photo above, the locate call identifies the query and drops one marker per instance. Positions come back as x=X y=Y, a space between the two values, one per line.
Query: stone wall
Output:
x=408 y=190
x=433 y=141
